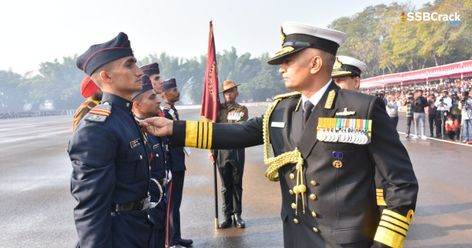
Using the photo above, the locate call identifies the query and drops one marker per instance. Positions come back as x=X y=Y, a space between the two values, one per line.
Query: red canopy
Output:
x=454 y=70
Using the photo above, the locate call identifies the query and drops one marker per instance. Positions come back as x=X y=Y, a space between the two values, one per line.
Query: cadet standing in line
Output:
x=152 y=70
x=347 y=75
x=109 y=155
x=145 y=104
x=327 y=144
x=89 y=90
x=171 y=95
x=231 y=162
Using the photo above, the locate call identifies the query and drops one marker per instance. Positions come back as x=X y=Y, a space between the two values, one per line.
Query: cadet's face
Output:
x=125 y=75
x=230 y=95
x=156 y=83
x=173 y=95
x=347 y=82
x=295 y=70
x=150 y=103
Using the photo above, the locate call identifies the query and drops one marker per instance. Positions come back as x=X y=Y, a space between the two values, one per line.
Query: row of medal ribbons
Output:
x=344 y=130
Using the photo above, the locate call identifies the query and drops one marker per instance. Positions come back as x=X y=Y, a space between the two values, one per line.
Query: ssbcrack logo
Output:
x=454 y=18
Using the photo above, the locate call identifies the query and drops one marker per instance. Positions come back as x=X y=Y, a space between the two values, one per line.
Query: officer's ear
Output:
x=315 y=64
x=357 y=82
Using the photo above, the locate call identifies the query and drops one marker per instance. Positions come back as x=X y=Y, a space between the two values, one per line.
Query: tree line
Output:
x=380 y=35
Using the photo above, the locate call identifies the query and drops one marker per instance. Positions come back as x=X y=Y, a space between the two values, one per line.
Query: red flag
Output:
x=210 y=99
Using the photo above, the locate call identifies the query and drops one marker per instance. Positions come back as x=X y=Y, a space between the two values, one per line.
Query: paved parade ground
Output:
x=36 y=205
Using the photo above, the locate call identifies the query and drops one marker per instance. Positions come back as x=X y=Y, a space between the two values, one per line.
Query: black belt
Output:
x=129 y=206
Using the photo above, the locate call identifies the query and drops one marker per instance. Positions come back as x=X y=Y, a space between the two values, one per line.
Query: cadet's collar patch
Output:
x=345 y=112
x=135 y=143
x=330 y=99
x=99 y=113
x=172 y=113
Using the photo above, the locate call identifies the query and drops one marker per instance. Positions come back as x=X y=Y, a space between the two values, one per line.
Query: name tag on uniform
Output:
x=277 y=124
x=135 y=143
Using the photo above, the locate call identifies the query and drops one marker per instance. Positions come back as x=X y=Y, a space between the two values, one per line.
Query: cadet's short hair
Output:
x=96 y=74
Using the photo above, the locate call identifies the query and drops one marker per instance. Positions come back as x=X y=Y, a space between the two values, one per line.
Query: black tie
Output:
x=307 y=109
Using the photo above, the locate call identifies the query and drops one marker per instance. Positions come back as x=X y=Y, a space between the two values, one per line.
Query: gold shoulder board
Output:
x=282 y=96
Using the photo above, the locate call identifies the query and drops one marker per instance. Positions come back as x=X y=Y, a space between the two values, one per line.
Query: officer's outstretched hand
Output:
x=158 y=126
x=211 y=157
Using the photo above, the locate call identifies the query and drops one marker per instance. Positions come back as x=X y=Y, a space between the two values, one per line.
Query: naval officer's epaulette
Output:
x=100 y=113
x=282 y=96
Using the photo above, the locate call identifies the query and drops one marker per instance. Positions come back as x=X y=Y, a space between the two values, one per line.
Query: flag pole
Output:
x=215 y=180
x=211 y=103
x=215 y=177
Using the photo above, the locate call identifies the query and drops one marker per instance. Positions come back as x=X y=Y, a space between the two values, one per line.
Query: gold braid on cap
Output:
x=275 y=163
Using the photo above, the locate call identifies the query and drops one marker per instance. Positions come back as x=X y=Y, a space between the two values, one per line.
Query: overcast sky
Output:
x=35 y=31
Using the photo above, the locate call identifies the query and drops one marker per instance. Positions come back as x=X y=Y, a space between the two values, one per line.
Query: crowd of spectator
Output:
x=445 y=105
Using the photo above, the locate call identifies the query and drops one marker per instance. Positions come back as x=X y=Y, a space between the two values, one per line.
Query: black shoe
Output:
x=185 y=242
x=228 y=222
x=238 y=221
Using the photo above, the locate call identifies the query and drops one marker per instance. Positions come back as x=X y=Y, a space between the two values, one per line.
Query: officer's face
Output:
x=156 y=82
x=347 y=82
x=295 y=70
x=150 y=103
x=230 y=95
x=125 y=76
